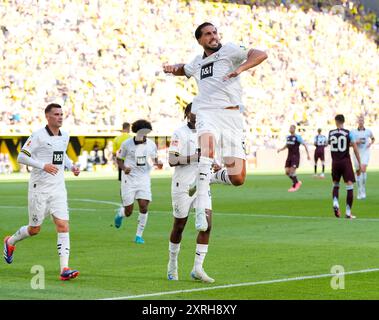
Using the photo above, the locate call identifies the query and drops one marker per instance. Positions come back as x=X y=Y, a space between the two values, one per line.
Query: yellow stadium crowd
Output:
x=102 y=60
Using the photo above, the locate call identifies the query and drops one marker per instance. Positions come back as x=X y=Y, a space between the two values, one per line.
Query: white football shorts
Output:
x=365 y=158
x=130 y=193
x=182 y=203
x=41 y=205
x=227 y=126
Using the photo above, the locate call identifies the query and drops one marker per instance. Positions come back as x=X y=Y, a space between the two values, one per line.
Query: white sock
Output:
x=221 y=176
x=203 y=178
x=348 y=210
x=335 y=202
x=63 y=246
x=201 y=252
x=364 y=176
x=21 y=234
x=142 y=220
x=174 y=249
x=359 y=183
x=121 y=212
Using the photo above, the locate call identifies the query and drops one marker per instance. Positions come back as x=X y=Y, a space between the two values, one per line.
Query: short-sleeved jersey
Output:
x=339 y=140
x=184 y=143
x=44 y=147
x=321 y=141
x=117 y=141
x=363 y=136
x=293 y=143
x=209 y=72
x=138 y=157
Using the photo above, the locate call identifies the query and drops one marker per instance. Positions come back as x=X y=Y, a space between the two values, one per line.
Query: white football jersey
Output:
x=363 y=136
x=138 y=157
x=184 y=143
x=209 y=72
x=44 y=147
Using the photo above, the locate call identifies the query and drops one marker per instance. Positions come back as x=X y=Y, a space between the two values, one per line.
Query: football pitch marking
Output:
x=244 y=284
x=253 y=215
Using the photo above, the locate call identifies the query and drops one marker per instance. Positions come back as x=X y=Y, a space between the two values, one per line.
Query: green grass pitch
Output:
x=260 y=233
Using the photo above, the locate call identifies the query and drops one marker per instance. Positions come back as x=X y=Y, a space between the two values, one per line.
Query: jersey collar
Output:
x=139 y=142
x=51 y=133
x=205 y=56
x=362 y=129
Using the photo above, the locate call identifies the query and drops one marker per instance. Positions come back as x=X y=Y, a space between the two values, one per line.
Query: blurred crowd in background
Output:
x=102 y=60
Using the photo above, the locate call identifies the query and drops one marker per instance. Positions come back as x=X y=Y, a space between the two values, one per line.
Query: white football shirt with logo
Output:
x=363 y=136
x=46 y=148
x=184 y=143
x=139 y=158
x=209 y=72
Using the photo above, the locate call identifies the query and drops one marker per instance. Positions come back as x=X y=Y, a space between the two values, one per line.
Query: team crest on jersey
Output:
x=174 y=143
x=206 y=71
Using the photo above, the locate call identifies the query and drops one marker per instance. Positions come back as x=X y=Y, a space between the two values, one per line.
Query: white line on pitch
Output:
x=245 y=284
x=235 y=213
x=24 y=207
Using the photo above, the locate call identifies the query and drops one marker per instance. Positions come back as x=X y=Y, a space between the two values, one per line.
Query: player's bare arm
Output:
x=175 y=69
x=175 y=159
x=254 y=58
x=306 y=149
x=158 y=163
x=371 y=142
x=356 y=152
x=122 y=166
x=281 y=149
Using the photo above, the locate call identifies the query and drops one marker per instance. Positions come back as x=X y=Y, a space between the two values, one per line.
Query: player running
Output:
x=293 y=159
x=45 y=151
x=340 y=141
x=218 y=107
x=362 y=136
x=320 y=142
x=184 y=156
x=133 y=159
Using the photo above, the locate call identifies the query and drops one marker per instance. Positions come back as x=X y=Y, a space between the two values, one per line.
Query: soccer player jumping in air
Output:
x=218 y=107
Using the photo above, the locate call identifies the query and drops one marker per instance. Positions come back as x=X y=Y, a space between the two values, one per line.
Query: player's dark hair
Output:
x=126 y=126
x=199 y=29
x=340 y=118
x=187 y=110
x=141 y=124
x=52 y=106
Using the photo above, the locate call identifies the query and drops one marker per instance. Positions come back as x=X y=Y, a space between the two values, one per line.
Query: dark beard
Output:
x=215 y=49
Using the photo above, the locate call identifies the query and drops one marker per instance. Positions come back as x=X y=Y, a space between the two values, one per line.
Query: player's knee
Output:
x=62 y=227
x=237 y=180
x=34 y=230
x=178 y=229
x=128 y=212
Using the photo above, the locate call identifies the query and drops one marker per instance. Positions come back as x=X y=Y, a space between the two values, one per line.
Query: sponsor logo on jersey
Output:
x=206 y=71
x=58 y=157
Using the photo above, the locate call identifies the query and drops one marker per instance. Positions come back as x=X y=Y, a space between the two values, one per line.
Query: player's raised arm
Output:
x=254 y=58
x=175 y=69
